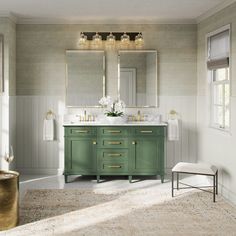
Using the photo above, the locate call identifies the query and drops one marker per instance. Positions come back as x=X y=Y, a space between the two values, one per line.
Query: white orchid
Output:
x=117 y=106
x=105 y=101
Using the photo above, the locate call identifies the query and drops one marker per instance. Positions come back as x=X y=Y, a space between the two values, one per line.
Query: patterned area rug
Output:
x=41 y=204
x=135 y=212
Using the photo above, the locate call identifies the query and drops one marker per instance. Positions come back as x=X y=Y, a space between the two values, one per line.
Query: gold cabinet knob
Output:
x=133 y=142
x=94 y=142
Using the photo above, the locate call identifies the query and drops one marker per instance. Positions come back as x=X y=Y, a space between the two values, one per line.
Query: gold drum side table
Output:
x=9 y=199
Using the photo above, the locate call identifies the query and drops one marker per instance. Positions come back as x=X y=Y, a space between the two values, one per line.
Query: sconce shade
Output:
x=97 y=41
x=139 y=42
x=82 y=39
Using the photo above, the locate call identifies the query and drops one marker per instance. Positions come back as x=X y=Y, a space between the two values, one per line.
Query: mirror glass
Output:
x=137 y=82
x=85 y=78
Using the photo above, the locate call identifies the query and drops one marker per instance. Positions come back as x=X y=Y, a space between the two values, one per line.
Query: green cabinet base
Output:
x=114 y=150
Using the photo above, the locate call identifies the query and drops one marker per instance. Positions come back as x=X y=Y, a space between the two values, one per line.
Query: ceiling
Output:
x=110 y=11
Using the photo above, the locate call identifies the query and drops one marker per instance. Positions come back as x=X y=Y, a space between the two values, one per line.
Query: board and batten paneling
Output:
x=35 y=156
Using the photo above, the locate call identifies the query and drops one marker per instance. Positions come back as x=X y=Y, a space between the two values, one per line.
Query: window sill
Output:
x=223 y=130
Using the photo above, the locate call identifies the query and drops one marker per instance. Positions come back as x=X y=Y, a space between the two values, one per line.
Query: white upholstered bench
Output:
x=197 y=169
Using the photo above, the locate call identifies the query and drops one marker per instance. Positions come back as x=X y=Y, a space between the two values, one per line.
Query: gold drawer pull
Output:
x=81 y=131
x=94 y=142
x=114 y=143
x=133 y=142
x=146 y=131
x=114 y=154
x=114 y=166
x=113 y=131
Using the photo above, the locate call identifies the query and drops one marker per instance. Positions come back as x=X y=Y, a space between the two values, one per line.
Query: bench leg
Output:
x=217 y=182
x=214 y=188
x=177 y=180
x=172 y=184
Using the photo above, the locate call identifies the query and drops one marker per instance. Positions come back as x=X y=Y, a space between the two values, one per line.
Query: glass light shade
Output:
x=139 y=42
x=97 y=41
x=111 y=39
x=125 y=40
x=82 y=39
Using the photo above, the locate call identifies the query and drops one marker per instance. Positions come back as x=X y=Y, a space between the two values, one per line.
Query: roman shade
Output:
x=218 y=51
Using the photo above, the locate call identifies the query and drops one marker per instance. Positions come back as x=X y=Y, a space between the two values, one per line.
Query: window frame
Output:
x=2 y=63
x=223 y=106
x=212 y=83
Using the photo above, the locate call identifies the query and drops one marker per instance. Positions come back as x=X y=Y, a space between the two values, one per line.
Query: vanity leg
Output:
x=162 y=179
x=130 y=178
x=98 y=178
x=66 y=178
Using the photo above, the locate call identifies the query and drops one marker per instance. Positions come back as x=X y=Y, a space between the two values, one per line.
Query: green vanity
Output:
x=106 y=150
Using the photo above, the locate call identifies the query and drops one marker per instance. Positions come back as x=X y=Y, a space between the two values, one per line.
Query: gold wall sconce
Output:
x=98 y=40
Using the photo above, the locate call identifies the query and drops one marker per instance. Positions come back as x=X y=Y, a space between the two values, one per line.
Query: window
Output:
x=220 y=98
x=219 y=72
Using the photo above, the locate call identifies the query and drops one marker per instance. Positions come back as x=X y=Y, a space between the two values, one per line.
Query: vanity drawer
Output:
x=113 y=168
x=113 y=155
x=149 y=131
x=114 y=143
x=80 y=131
x=113 y=131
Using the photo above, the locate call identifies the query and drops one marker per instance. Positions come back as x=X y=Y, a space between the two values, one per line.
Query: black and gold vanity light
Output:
x=126 y=39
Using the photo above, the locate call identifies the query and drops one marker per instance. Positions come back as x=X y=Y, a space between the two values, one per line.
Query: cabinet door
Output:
x=146 y=156
x=80 y=157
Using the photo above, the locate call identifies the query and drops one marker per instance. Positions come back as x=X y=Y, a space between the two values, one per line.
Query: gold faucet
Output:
x=138 y=116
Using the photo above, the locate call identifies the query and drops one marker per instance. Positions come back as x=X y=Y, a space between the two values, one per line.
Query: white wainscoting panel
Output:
x=35 y=156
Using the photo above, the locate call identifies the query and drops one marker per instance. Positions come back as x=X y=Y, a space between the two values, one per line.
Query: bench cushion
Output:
x=195 y=168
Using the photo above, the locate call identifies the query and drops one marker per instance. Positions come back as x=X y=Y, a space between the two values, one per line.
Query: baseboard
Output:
x=38 y=171
x=227 y=194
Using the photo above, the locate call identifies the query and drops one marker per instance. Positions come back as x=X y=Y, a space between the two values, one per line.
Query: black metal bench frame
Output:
x=214 y=186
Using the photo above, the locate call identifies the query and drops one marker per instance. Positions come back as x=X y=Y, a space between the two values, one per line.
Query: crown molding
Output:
x=103 y=21
x=34 y=20
x=9 y=15
x=214 y=10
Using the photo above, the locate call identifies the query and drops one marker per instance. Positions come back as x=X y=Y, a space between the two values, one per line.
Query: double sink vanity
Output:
x=125 y=149
x=105 y=149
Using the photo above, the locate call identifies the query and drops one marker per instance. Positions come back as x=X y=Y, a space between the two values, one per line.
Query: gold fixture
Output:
x=114 y=154
x=114 y=166
x=114 y=143
x=50 y=114
x=86 y=118
x=146 y=131
x=9 y=198
x=133 y=142
x=94 y=142
x=138 y=117
x=81 y=131
x=113 y=131
x=172 y=114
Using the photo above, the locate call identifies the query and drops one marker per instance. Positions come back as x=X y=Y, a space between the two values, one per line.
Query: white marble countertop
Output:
x=118 y=124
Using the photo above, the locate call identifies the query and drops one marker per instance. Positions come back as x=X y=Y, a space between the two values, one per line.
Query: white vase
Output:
x=115 y=120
